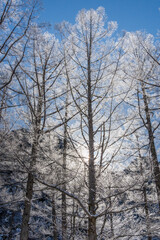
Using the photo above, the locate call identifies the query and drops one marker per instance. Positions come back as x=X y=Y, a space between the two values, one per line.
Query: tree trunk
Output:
x=147 y=213
x=73 y=221
x=28 y=198
x=27 y=208
x=64 y=204
x=64 y=217
x=92 y=178
x=55 y=232
x=155 y=163
x=144 y=191
x=92 y=229
x=111 y=215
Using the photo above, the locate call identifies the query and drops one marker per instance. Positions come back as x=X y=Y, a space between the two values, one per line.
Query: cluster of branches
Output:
x=79 y=124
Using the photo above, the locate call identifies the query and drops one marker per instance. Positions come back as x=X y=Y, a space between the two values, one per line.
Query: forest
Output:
x=79 y=128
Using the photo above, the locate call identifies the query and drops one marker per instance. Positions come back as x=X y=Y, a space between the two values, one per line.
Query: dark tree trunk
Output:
x=147 y=213
x=29 y=193
x=155 y=164
x=55 y=232
x=64 y=217
x=111 y=215
x=146 y=209
x=92 y=178
x=64 y=203
x=73 y=222
x=27 y=208
x=92 y=229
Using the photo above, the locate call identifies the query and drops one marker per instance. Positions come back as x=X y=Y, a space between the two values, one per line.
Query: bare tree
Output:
x=91 y=70
x=144 y=72
x=36 y=81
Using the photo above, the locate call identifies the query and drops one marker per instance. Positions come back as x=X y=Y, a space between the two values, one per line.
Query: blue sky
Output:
x=131 y=15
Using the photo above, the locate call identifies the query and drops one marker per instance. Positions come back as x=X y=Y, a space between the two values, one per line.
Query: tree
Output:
x=36 y=80
x=91 y=70
x=144 y=71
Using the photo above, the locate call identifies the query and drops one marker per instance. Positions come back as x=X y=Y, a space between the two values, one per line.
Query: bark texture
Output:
x=155 y=163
